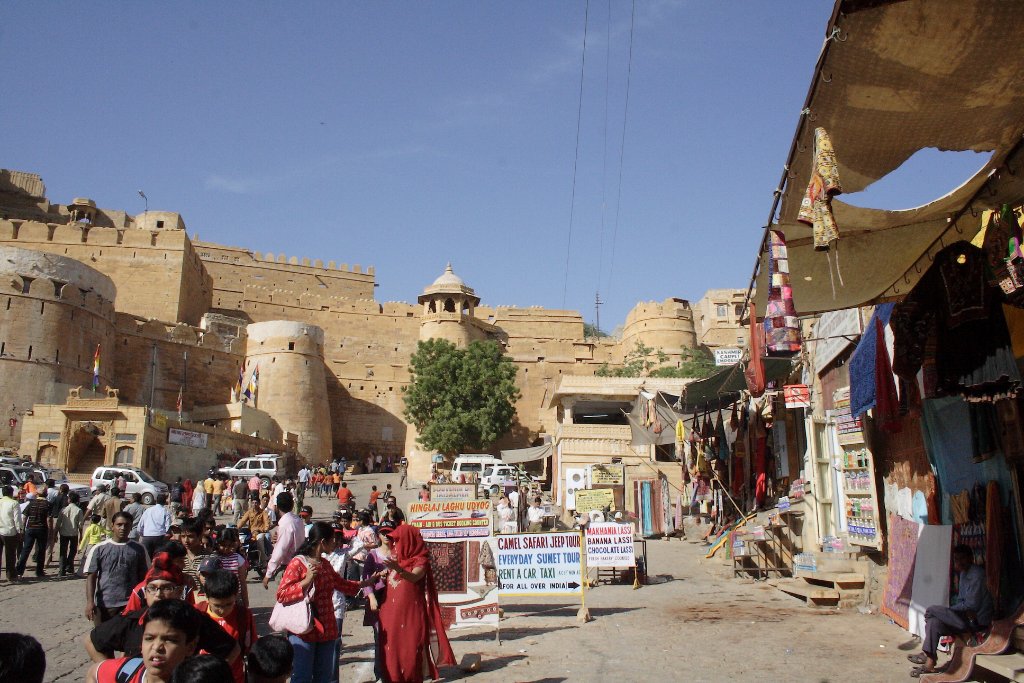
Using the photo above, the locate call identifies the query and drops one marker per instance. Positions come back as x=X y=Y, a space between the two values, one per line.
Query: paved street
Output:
x=696 y=626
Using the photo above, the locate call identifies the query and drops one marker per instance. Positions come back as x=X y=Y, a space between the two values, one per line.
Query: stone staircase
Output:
x=837 y=582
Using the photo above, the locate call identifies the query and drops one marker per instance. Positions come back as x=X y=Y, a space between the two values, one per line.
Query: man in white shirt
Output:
x=10 y=529
x=291 y=532
x=300 y=490
x=535 y=517
x=154 y=524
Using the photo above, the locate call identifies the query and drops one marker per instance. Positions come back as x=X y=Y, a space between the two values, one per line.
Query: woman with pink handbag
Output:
x=305 y=610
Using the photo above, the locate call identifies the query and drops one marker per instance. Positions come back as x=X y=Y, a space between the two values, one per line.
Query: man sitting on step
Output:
x=970 y=613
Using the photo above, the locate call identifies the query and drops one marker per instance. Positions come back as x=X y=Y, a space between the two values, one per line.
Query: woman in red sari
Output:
x=186 y=496
x=412 y=636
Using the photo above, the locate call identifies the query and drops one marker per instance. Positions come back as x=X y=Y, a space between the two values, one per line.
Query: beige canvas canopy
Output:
x=895 y=77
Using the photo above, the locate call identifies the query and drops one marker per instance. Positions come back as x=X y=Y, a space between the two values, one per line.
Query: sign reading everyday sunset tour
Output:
x=539 y=564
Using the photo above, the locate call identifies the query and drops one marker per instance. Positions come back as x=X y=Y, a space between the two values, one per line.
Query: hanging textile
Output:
x=994 y=541
x=722 y=441
x=781 y=327
x=887 y=403
x=754 y=372
x=862 y=363
x=760 y=470
x=816 y=207
x=1002 y=246
x=952 y=301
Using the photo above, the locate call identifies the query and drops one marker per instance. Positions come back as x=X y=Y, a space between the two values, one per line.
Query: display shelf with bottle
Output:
x=860 y=494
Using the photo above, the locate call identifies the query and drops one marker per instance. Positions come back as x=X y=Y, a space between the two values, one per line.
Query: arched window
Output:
x=449 y=305
x=125 y=455
x=47 y=455
x=432 y=308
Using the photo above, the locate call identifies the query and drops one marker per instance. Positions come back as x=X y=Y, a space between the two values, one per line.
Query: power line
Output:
x=604 y=137
x=576 y=158
x=622 y=147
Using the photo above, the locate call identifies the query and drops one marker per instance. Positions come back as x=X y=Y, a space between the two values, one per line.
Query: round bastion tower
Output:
x=292 y=387
x=448 y=307
x=54 y=313
x=667 y=325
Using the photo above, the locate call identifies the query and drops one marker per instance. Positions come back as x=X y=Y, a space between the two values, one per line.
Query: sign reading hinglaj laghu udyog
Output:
x=539 y=564
x=451 y=519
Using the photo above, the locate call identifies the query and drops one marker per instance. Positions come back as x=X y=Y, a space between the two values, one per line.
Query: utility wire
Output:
x=576 y=158
x=622 y=148
x=604 y=157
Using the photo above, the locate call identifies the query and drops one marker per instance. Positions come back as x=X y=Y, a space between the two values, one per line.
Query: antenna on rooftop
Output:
x=146 y=199
x=597 y=312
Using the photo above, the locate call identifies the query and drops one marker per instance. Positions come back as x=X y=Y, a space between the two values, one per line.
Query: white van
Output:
x=472 y=465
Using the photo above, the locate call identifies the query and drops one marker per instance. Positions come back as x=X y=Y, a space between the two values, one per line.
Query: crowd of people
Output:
x=167 y=591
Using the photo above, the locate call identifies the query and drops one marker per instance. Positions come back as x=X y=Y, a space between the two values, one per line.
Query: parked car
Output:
x=265 y=466
x=139 y=481
x=495 y=476
x=14 y=475
x=59 y=477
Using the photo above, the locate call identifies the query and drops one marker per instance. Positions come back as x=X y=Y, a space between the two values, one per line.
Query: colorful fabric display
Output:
x=781 y=327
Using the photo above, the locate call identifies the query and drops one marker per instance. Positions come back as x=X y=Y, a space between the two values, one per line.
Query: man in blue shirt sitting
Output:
x=971 y=610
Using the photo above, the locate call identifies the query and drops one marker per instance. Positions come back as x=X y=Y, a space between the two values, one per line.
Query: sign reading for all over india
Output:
x=610 y=545
x=588 y=500
x=452 y=519
x=539 y=564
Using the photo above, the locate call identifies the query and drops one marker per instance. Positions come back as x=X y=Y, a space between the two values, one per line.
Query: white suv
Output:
x=495 y=476
x=139 y=481
x=264 y=466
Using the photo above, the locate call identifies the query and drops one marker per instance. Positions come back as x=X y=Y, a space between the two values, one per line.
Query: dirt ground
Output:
x=694 y=624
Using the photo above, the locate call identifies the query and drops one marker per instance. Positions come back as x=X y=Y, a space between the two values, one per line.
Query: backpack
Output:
x=126 y=671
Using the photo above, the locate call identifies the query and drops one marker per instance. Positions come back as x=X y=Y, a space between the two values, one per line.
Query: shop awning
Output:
x=723 y=388
x=895 y=78
x=520 y=455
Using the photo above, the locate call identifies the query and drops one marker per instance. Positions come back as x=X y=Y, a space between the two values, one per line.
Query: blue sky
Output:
x=406 y=134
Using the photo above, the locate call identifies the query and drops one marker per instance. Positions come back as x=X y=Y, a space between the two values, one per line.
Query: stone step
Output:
x=813 y=595
x=1009 y=665
x=839 y=580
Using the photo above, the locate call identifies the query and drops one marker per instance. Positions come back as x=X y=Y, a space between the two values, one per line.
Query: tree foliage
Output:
x=593 y=332
x=645 y=361
x=460 y=399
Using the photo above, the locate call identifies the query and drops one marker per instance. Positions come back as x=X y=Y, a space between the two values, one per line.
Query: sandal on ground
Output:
x=919 y=671
x=920 y=658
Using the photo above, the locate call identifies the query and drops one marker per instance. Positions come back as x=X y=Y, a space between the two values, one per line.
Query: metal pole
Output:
x=152 y=378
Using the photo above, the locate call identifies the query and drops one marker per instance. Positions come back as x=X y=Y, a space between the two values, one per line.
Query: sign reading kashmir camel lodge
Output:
x=451 y=519
x=610 y=545
x=539 y=564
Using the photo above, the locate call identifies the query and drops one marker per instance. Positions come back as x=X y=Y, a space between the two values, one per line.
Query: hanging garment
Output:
x=781 y=327
x=862 y=363
x=816 y=207
x=984 y=430
x=887 y=403
x=754 y=372
x=721 y=440
x=972 y=355
x=960 y=507
x=1002 y=246
x=994 y=540
x=760 y=467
